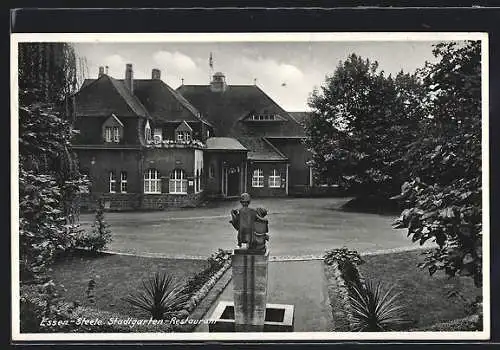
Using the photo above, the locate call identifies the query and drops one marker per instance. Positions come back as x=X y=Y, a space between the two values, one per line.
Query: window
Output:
x=116 y=134
x=183 y=135
x=211 y=171
x=263 y=117
x=158 y=134
x=275 y=179
x=123 y=182
x=152 y=181
x=178 y=182
x=112 y=182
x=258 y=178
x=147 y=132
x=108 y=134
x=112 y=134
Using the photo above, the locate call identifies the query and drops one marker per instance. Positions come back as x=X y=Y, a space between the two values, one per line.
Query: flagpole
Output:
x=211 y=65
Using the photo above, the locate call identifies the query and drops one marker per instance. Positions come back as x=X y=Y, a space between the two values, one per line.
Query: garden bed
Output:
x=424 y=296
x=115 y=277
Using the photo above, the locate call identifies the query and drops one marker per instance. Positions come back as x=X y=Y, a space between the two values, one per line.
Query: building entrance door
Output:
x=231 y=181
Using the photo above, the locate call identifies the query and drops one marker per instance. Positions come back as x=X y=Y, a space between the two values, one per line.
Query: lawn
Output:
x=116 y=276
x=425 y=296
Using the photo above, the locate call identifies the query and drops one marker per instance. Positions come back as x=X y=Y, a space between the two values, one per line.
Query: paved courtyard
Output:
x=298 y=227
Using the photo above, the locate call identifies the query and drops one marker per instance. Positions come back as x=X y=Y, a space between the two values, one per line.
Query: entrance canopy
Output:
x=224 y=144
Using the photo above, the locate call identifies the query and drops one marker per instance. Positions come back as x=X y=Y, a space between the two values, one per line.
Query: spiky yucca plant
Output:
x=375 y=310
x=162 y=296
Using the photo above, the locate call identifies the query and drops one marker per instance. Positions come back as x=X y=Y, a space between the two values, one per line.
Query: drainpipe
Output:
x=246 y=175
x=287 y=184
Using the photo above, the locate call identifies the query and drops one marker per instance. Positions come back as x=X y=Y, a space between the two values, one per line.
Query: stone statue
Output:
x=251 y=225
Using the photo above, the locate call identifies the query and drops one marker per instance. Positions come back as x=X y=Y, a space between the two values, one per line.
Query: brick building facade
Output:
x=145 y=145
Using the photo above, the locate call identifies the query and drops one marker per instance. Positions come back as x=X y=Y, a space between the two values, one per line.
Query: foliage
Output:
x=374 y=309
x=362 y=121
x=41 y=303
x=347 y=261
x=162 y=296
x=100 y=235
x=215 y=262
x=49 y=180
x=443 y=198
x=219 y=258
x=342 y=255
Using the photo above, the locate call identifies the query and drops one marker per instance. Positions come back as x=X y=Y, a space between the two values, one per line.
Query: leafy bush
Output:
x=341 y=256
x=347 y=261
x=100 y=235
x=376 y=310
x=215 y=263
x=40 y=303
x=162 y=296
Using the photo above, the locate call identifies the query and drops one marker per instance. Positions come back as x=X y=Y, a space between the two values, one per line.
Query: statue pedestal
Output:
x=249 y=273
x=249 y=312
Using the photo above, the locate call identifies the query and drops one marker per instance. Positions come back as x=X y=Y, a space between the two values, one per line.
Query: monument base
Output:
x=279 y=318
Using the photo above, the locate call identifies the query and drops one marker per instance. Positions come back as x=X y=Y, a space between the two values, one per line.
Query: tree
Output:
x=362 y=121
x=443 y=197
x=49 y=180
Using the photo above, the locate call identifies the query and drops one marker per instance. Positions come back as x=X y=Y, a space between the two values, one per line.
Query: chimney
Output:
x=101 y=71
x=129 y=77
x=218 y=83
x=156 y=74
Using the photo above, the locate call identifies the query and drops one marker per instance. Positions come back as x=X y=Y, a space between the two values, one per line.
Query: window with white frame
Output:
x=258 y=178
x=112 y=182
x=108 y=134
x=183 y=135
x=152 y=181
x=116 y=134
x=123 y=182
x=275 y=179
x=178 y=182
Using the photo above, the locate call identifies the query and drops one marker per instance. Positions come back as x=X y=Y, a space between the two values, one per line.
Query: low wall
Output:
x=315 y=191
x=136 y=201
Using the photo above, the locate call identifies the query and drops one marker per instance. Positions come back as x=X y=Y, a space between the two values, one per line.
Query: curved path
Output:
x=299 y=228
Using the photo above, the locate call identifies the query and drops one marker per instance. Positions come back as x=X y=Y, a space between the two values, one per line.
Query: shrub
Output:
x=100 y=235
x=347 y=261
x=215 y=263
x=162 y=296
x=376 y=310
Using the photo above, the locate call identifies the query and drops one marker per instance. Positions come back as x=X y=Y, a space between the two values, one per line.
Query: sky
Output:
x=287 y=71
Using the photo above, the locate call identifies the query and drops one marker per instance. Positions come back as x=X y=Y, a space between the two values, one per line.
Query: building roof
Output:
x=156 y=98
x=301 y=117
x=163 y=102
x=259 y=149
x=107 y=96
x=226 y=109
x=224 y=144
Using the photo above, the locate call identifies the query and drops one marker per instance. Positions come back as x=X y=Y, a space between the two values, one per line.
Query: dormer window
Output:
x=183 y=136
x=183 y=133
x=264 y=117
x=113 y=130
